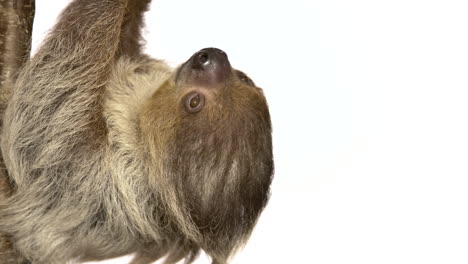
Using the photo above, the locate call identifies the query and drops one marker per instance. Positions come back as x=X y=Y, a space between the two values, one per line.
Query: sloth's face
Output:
x=207 y=97
x=208 y=131
x=207 y=78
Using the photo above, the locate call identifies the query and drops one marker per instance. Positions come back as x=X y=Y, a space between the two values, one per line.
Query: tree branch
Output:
x=16 y=21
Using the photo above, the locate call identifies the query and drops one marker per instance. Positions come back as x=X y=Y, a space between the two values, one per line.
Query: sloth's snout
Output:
x=210 y=59
x=210 y=65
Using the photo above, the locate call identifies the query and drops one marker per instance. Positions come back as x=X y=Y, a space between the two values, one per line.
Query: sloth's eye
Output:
x=194 y=102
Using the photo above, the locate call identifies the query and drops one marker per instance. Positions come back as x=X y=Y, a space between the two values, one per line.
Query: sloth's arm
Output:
x=67 y=76
x=59 y=94
x=85 y=40
x=130 y=38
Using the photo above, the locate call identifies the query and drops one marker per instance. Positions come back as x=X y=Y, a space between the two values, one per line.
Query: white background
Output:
x=369 y=102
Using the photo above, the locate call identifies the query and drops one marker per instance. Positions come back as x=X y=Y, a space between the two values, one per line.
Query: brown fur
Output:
x=106 y=161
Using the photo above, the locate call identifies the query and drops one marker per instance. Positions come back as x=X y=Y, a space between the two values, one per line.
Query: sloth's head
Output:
x=209 y=134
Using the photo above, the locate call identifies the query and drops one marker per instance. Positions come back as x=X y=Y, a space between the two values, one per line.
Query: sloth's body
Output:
x=110 y=152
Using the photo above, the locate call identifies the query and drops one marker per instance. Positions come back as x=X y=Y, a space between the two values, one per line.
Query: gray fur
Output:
x=103 y=161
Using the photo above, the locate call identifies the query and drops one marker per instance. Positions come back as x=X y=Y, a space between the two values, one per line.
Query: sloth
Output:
x=110 y=152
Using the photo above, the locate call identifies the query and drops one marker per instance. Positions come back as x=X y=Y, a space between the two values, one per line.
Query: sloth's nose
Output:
x=212 y=62
x=201 y=60
x=209 y=58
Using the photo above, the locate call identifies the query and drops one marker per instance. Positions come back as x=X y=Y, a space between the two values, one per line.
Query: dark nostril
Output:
x=201 y=60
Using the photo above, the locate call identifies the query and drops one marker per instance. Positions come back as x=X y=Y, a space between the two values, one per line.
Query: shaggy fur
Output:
x=105 y=160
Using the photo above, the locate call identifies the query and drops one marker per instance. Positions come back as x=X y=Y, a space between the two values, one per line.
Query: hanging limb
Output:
x=16 y=21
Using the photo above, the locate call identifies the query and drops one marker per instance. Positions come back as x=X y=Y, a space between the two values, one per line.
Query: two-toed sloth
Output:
x=111 y=152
